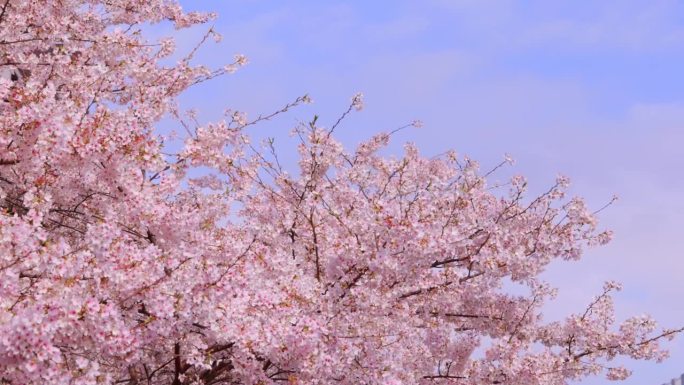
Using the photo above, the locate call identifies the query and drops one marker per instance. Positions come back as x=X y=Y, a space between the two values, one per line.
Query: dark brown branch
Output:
x=5 y=42
x=443 y=262
x=4 y=10
x=443 y=376
x=315 y=246
x=177 y=364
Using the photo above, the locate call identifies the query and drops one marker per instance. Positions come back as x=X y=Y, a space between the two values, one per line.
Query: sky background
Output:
x=593 y=90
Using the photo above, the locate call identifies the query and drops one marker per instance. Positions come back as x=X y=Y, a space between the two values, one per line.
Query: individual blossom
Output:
x=357 y=101
x=241 y=60
x=238 y=117
x=306 y=99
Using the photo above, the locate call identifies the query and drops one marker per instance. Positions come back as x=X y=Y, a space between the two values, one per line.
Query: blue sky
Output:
x=590 y=89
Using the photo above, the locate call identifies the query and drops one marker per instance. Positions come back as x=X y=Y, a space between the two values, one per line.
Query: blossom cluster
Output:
x=123 y=263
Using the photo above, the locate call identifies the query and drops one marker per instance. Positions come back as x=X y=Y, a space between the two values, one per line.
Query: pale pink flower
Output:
x=357 y=101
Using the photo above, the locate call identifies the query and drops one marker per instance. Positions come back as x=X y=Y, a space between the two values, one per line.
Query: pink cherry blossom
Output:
x=125 y=261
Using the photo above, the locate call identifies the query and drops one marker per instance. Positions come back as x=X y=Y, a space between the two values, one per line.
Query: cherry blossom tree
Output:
x=122 y=264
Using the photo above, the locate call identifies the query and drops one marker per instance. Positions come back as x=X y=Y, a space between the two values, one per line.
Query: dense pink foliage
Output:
x=119 y=264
